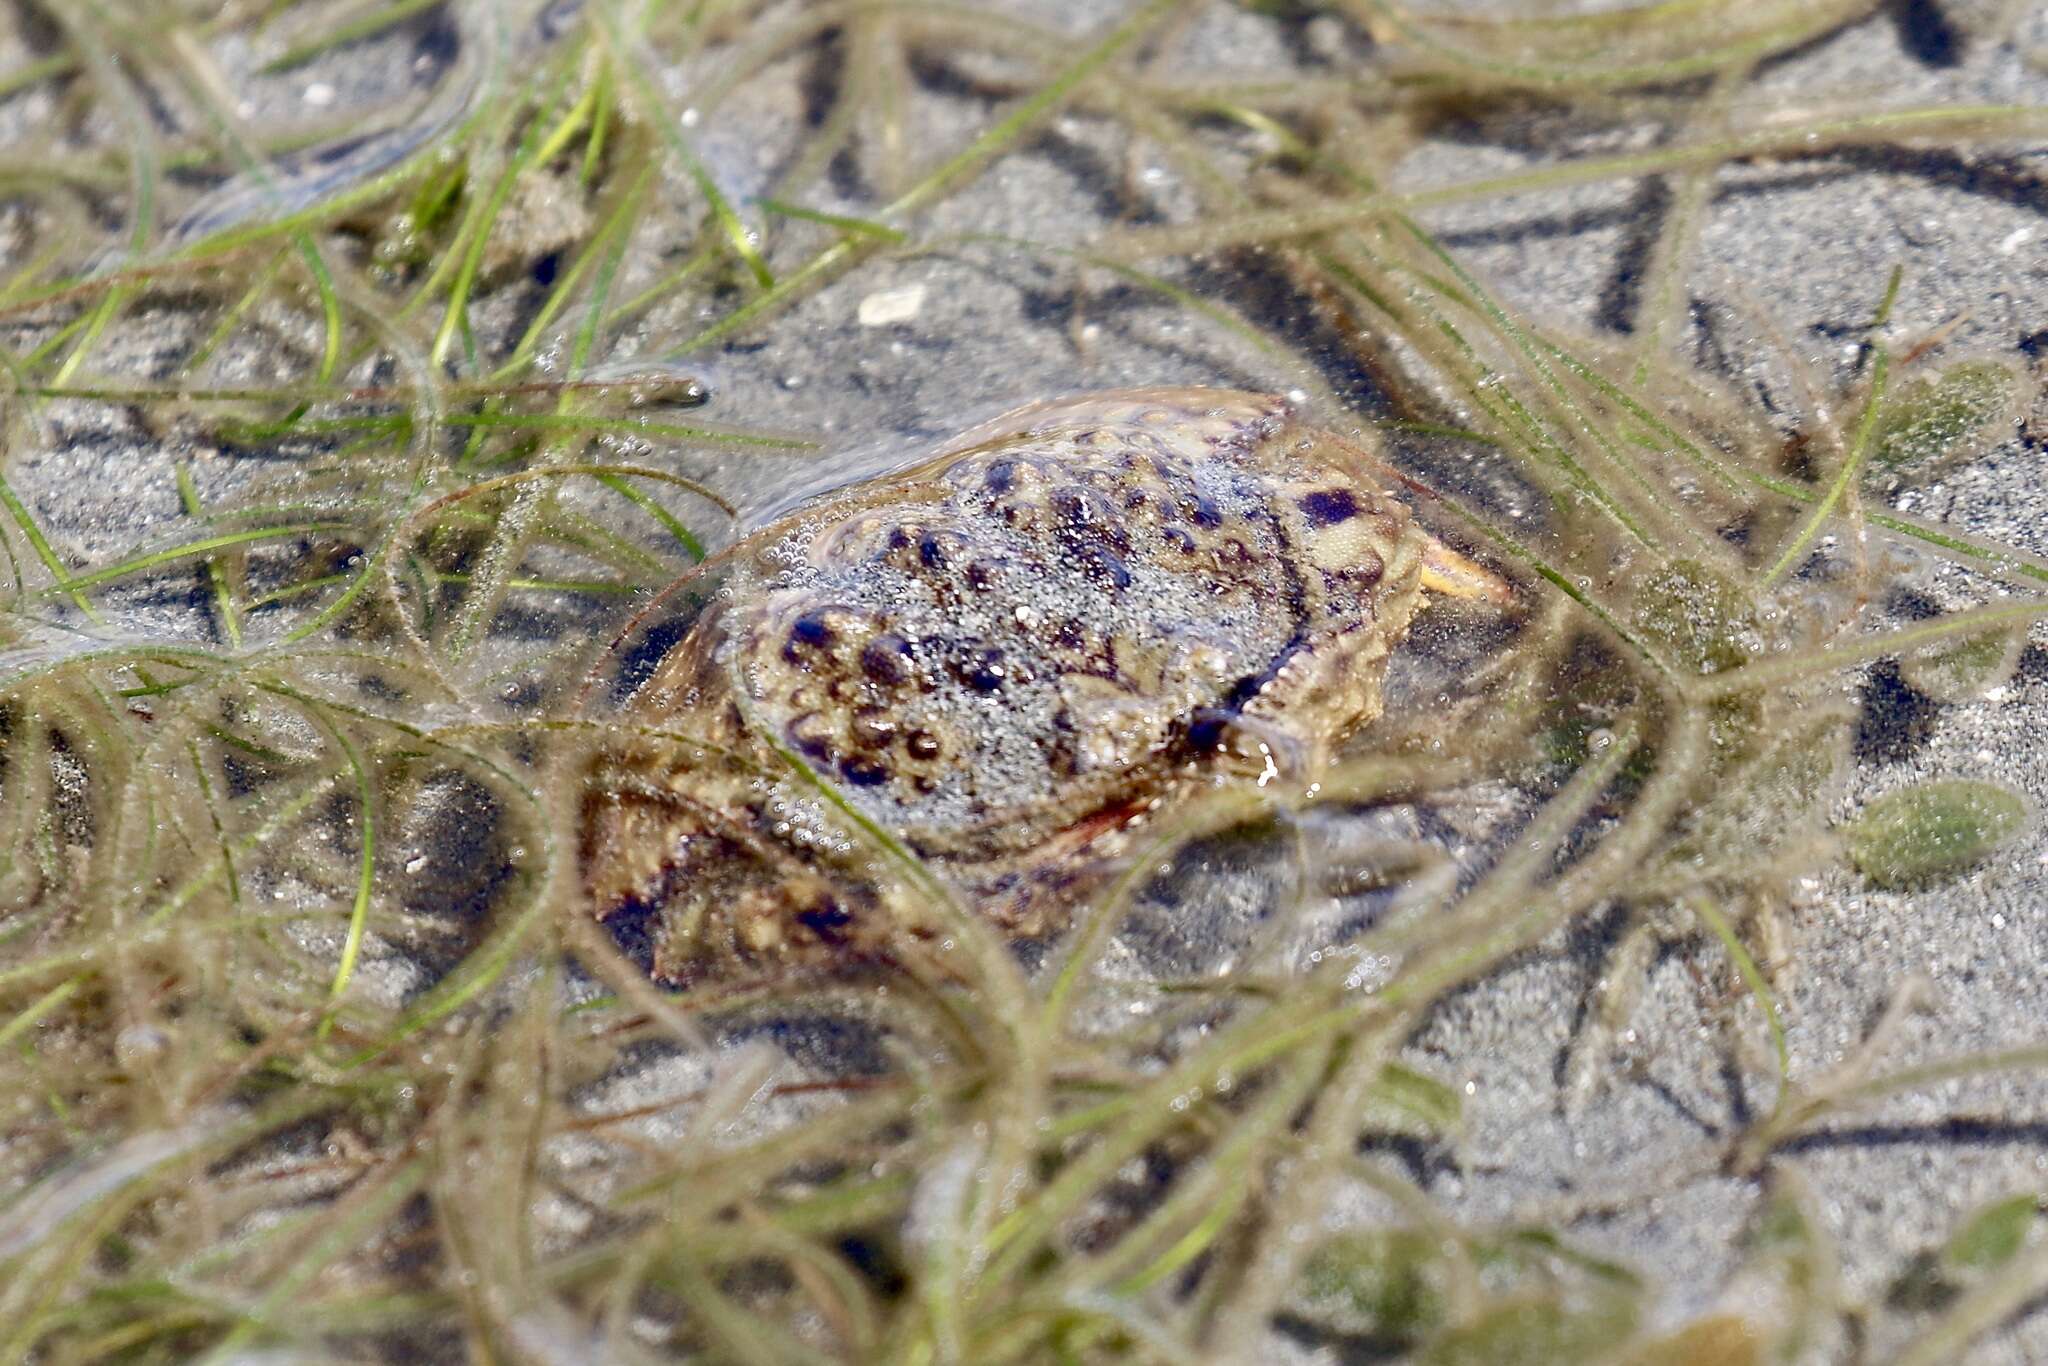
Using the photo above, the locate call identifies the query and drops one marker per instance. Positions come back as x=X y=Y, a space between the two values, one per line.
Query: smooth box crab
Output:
x=1008 y=656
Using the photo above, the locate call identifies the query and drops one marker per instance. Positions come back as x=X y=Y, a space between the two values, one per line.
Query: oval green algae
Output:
x=1932 y=830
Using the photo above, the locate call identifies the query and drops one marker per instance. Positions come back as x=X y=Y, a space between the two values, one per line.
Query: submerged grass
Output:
x=306 y=1038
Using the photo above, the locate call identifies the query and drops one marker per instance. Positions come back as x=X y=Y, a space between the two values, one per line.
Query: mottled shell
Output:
x=1007 y=655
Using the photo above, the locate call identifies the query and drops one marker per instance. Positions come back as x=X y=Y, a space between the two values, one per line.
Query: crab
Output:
x=1007 y=658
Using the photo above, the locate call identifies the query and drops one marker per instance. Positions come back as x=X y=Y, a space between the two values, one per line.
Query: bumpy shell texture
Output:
x=1010 y=655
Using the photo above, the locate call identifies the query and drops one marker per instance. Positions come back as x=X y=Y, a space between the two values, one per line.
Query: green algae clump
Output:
x=1928 y=423
x=1932 y=830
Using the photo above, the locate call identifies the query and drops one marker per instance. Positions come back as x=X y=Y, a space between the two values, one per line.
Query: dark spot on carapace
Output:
x=931 y=551
x=886 y=659
x=1179 y=539
x=1327 y=507
x=922 y=744
x=864 y=773
x=1000 y=476
x=826 y=920
x=873 y=727
x=812 y=628
x=808 y=739
x=985 y=672
x=1202 y=510
x=1075 y=509
x=1104 y=567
